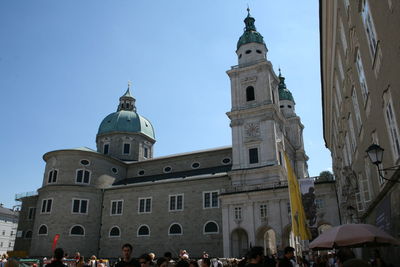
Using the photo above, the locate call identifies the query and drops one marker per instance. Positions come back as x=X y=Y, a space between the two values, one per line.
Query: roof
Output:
x=250 y=34
x=284 y=93
x=126 y=121
x=181 y=174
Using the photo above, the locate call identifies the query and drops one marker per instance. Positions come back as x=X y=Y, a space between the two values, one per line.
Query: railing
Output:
x=246 y=188
x=248 y=64
x=25 y=194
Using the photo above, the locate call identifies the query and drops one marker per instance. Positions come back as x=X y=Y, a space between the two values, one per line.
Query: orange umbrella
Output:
x=353 y=235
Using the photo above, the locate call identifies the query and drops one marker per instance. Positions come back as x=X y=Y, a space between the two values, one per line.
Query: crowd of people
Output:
x=254 y=258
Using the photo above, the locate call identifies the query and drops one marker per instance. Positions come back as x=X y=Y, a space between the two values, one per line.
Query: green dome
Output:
x=128 y=122
x=284 y=93
x=250 y=34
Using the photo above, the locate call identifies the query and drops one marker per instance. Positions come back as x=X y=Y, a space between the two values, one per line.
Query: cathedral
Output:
x=220 y=200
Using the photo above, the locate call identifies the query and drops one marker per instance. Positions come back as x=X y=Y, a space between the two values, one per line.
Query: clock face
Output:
x=252 y=129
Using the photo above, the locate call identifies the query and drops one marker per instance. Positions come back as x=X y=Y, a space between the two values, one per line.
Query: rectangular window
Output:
x=353 y=142
x=320 y=203
x=176 y=202
x=80 y=206
x=46 y=205
x=365 y=189
x=360 y=206
x=280 y=158
x=342 y=35
x=1 y=244
x=127 y=149
x=9 y=244
x=340 y=67
x=116 y=207
x=263 y=211
x=253 y=155
x=3 y=232
x=210 y=199
x=392 y=129
x=238 y=213
x=146 y=153
x=12 y=233
x=52 y=176
x=145 y=205
x=361 y=77
x=106 y=148
x=31 y=213
x=82 y=176
x=356 y=109
x=348 y=149
x=369 y=27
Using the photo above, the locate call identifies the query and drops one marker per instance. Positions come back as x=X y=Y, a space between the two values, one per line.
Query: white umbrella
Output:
x=353 y=235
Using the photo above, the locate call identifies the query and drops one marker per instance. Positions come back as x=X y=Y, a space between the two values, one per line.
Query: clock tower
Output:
x=256 y=120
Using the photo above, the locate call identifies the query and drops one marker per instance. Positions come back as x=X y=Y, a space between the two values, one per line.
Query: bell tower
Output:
x=256 y=121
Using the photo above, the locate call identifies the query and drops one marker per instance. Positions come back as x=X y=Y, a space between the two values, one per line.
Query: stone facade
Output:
x=8 y=229
x=360 y=56
x=221 y=200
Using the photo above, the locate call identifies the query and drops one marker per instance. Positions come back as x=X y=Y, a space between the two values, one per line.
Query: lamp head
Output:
x=375 y=153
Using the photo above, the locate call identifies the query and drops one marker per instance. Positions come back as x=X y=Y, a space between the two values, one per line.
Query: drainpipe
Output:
x=337 y=203
x=101 y=222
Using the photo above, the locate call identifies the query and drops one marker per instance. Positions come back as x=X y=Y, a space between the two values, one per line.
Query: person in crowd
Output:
x=206 y=262
x=101 y=263
x=193 y=263
x=217 y=263
x=377 y=260
x=153 y=261
x=162 y=262
x=127 y=260
x=255 y=257
x=346 y=258
x=57 y=259
x=287 y=257
x=11 y=263
x=93 y=261
x=81 y=262
x=168 y=256
x=183 y=262
x=145 y=260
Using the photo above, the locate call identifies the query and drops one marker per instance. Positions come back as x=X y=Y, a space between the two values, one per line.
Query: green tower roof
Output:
x=284 y=93
x=128 y=122
x=126 y=119
x=250 y=34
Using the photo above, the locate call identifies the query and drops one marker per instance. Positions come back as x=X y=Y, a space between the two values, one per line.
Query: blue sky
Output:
x=64 y=64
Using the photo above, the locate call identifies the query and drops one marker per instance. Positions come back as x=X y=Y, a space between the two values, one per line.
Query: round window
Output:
x=195 y=165
x=85 y=162
x=114 y=170
x=167 y=169
x=141 y=172
x=226 y=161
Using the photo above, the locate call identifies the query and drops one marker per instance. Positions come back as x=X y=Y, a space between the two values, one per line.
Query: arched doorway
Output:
x=266 y=238
x=239 y=243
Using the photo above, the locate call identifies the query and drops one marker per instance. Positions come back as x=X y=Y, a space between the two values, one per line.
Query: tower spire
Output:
x=127 y=101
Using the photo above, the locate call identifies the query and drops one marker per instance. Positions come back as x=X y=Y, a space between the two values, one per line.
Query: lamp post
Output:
x=375 y=154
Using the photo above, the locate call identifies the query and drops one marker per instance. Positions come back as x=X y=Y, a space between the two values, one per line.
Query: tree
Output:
x=325 y=176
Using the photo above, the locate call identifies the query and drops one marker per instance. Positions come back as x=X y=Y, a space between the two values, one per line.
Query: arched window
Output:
x=28 y=234
x=143 y=230
x=250 y=93
x=115 y=232
x=77 y=230
x=175 y=229
x=211 y=227
x=42 y=230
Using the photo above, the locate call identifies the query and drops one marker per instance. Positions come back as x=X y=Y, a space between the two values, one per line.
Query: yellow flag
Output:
x=299 y=224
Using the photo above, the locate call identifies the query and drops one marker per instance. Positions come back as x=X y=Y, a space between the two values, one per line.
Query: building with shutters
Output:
x=359 y=62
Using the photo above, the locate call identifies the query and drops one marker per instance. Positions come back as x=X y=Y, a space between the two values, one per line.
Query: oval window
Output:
x=248 y=51
x=85 y=162
x=226 y=161
x=167 y=169
x=195 y=165
x=141 y=172
x=259 y=51
x=114 y=170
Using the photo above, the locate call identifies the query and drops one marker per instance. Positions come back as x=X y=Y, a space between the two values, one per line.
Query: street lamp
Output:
x=375 y=154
